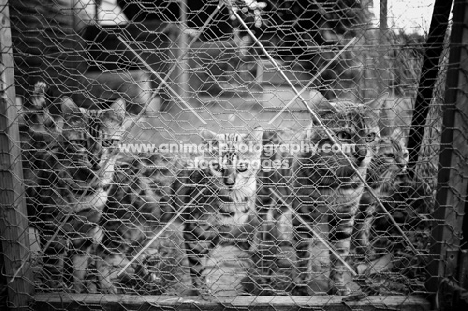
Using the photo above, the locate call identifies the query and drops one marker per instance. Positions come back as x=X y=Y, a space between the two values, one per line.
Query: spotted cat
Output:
x=73 y=177
x=219 y=201
x=385 y=173
x=326 y=189
x=134 y=214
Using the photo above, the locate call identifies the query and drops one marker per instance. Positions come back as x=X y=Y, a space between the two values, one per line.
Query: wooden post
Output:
x=383 y=15
x=183 y=46
x=430 y=69
x=13 y=215
x=453 y=171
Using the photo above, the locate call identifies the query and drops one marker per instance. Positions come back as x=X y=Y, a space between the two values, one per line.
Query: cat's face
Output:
x=391 y=161
x=356 y=129
x=89 y=139
x=233 y=163
x=393 y=151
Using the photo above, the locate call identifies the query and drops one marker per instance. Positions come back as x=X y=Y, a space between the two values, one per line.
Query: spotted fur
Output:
x=326 y=190
x=224 y=214
x=133 y=215
x=385 y=173
x=73 y=177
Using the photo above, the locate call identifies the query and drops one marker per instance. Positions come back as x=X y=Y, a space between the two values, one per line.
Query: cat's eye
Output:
x=75 y=122
x=216 y=167
x=370 y=137
x=343 y=135
x=109 y=142
x=80 y=142
x=242 y=167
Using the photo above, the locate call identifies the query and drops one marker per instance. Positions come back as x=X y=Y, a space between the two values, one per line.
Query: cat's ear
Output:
x=378 y=103
x=68 y=106
x=319 y=103
x=119 y=107
x=306 y=134
x=399 y=135
x=256 y=134
x=208 y=135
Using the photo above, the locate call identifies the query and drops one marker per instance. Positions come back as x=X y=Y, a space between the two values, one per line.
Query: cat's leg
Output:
x=240 y=242
x=80 y=261
x=363 y=225
x=55 y=246
x=195 y=259
x=103 y=266
x=341 y=229
x=199 y=241
x=265 y=207
x=83 y=245
x=266 y=234
x=301 y=246
x=306 y=213
x=54 y=262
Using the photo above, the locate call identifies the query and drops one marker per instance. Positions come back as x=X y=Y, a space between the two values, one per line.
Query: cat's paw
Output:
x=298 y=290
x=149 y=270
x=109 y=289
x=79 y=287
x=339 y=290
x=92 y=287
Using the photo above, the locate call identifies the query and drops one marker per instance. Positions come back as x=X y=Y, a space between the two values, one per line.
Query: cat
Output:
x=133 y=215
x=378 y=237
x=385 y=172
x=73 y=178
x=326 y=189
x=219 y=196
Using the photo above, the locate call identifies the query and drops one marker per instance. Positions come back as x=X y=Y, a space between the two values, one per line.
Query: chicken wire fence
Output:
x=132 y=120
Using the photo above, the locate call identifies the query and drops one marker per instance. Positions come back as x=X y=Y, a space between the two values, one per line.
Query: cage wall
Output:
x=229 y=154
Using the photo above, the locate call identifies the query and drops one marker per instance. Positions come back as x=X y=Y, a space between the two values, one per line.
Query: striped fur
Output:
x=385 y=173
x=225 y=213
x=408 y=199
x=326 y=190
x=133 y=215
x=73 y=180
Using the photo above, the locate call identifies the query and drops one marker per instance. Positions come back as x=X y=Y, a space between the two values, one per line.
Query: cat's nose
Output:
x=229 y=181
x=96 y=167
x=360 y=154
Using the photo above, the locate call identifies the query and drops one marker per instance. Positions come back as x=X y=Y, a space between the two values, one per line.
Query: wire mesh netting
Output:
x=217 y=149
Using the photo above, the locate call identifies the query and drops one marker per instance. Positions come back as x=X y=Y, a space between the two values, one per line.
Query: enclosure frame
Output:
x=13 y=217
x=452 y=190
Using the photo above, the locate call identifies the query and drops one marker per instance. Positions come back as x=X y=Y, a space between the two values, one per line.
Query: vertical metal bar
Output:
x=453 y=171
x=13 y=213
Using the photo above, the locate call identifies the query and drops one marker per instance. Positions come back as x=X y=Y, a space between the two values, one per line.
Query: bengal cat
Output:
x=73 y=177
x=326 y=189
x=133 y=216
x=385 y=173
x=224 y=213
